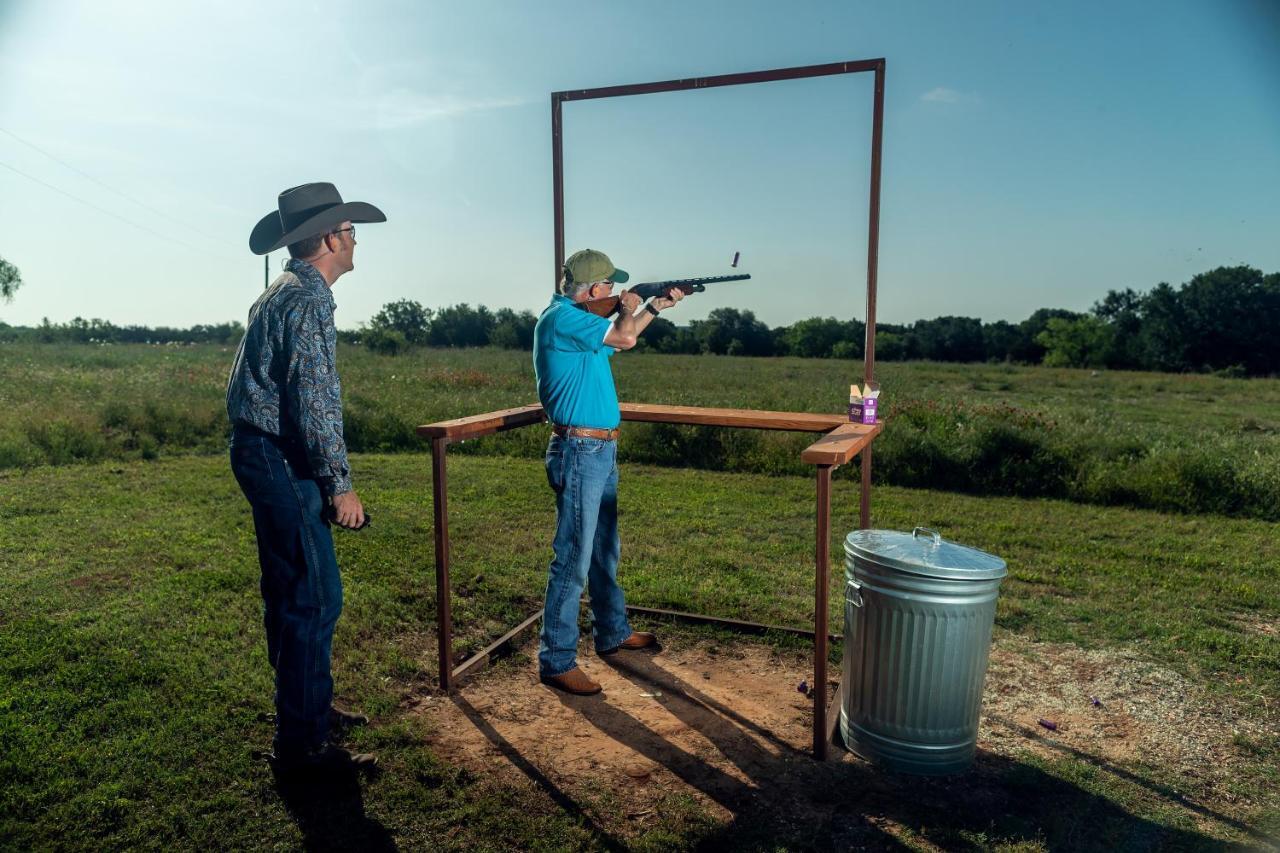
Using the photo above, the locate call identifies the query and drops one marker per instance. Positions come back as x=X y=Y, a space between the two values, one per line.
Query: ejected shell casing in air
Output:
x=735 y=259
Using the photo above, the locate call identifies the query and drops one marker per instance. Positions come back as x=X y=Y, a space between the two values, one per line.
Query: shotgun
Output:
x=608 y=306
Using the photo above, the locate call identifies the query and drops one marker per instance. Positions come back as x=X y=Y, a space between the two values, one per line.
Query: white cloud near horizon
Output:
x=404 y=107
x=943 y=95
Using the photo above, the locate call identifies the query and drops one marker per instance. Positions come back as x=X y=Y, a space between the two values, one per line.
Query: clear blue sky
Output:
x=1036 y=154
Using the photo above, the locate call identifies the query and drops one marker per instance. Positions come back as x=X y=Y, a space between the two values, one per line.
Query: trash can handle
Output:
x=854 y=593
x=935 y=535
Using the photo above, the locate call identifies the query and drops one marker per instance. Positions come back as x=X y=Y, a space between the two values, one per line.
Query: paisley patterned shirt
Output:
x=284 y=381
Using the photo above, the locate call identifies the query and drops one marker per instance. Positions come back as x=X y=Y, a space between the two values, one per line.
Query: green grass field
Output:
x=132 y=667
x=1182 y=443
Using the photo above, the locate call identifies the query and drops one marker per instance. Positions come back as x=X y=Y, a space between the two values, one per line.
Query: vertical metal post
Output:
x=873 y=226
x=557 y=183
x=821 y=611
x=444 y=618
x=873 y=255
x=266 y=270
x=864 y=500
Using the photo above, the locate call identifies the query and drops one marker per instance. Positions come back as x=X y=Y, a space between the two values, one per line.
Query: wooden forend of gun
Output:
x=608 y=306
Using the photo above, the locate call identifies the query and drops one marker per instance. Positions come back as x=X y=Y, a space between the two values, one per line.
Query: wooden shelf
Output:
x=842 y=441
x=742 y=418
x=460 y=429
x=841 y=444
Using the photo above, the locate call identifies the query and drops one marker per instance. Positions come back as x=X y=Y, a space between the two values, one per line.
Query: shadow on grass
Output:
x=780 y=797
x=330 y=813
x=536 y=776
x=1129 y=776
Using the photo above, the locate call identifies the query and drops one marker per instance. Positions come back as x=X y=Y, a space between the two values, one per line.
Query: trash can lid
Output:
x=924 y=552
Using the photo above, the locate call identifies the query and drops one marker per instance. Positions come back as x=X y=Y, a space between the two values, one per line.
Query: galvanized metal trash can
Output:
x=917 y=636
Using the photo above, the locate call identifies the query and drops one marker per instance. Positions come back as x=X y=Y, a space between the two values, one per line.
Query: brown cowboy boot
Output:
x=637 y=640
x=574 y=681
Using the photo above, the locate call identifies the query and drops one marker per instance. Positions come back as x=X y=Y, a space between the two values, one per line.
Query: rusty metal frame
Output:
x=876 y=66
x=838 y=445
x=824 y=722
x=796 y=73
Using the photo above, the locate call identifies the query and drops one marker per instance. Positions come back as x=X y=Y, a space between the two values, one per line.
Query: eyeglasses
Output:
x=350 y=228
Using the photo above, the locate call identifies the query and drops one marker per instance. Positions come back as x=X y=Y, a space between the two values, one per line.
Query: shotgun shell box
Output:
x=855 y=405
x=864 y=404
x=870 y=402
x=869 y=410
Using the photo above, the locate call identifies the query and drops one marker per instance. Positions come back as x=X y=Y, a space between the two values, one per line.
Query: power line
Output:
x=100 y=209
x=167 y=217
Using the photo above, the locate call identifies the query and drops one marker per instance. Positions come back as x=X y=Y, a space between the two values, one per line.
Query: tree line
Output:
x=1220 y=320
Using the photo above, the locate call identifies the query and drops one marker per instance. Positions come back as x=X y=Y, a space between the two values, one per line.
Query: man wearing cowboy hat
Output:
x=289 y=457
x=571 y=352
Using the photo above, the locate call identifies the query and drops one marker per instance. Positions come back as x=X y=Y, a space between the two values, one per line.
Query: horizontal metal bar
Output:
x=796 y=73
x=731 y=624
x=483 y=654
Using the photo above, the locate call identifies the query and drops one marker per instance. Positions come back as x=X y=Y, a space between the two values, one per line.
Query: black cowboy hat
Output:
x=307 y=211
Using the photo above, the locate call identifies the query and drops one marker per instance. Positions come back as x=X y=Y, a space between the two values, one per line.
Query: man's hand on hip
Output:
x=347 y=510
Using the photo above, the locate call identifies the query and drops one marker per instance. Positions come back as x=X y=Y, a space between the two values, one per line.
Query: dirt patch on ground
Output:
x=1109 y=706
x=1255 y=624
x=99 y=580
x=729 y=728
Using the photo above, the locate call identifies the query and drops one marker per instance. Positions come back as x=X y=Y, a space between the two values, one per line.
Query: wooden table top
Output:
x=841 y=443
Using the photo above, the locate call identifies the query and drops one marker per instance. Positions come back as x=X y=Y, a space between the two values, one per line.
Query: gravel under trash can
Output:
x=917 y=634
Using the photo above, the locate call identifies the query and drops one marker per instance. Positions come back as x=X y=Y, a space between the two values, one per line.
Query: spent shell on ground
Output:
x=1048 y=724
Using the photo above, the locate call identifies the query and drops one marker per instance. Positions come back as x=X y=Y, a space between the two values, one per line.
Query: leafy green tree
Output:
x=723 y=326
x=1083 y=342
x=10 y=280
x=657 y=336
x=461 y=326
x=1028 y=349
x=386 y=341
x=405 y=316
x=1230 y=316
x=512 y=330
x=891 y=346
x=816 y=336
x=949 y=339
x=1000 y=339
x=1163 y=334
x=1122 y=311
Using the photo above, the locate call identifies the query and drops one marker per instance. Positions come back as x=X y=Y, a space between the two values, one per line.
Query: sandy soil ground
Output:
x=729 y=727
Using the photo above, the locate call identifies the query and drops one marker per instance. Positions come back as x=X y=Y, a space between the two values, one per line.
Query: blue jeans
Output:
x=583 y=472
x=301 y=587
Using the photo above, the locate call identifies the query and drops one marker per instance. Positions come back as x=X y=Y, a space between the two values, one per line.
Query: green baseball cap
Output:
x=588 y=265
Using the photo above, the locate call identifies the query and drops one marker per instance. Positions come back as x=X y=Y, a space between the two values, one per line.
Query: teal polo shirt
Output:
x=571 y=361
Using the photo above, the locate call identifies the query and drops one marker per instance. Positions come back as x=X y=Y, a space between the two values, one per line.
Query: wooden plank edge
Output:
x=460 y=429
x=736 y=418
x=842 y=444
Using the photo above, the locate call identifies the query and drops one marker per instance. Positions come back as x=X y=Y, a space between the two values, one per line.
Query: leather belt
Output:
x=585 y=432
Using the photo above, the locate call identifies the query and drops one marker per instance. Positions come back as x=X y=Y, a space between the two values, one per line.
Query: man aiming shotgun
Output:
x=607 y=306
x=571 y=351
